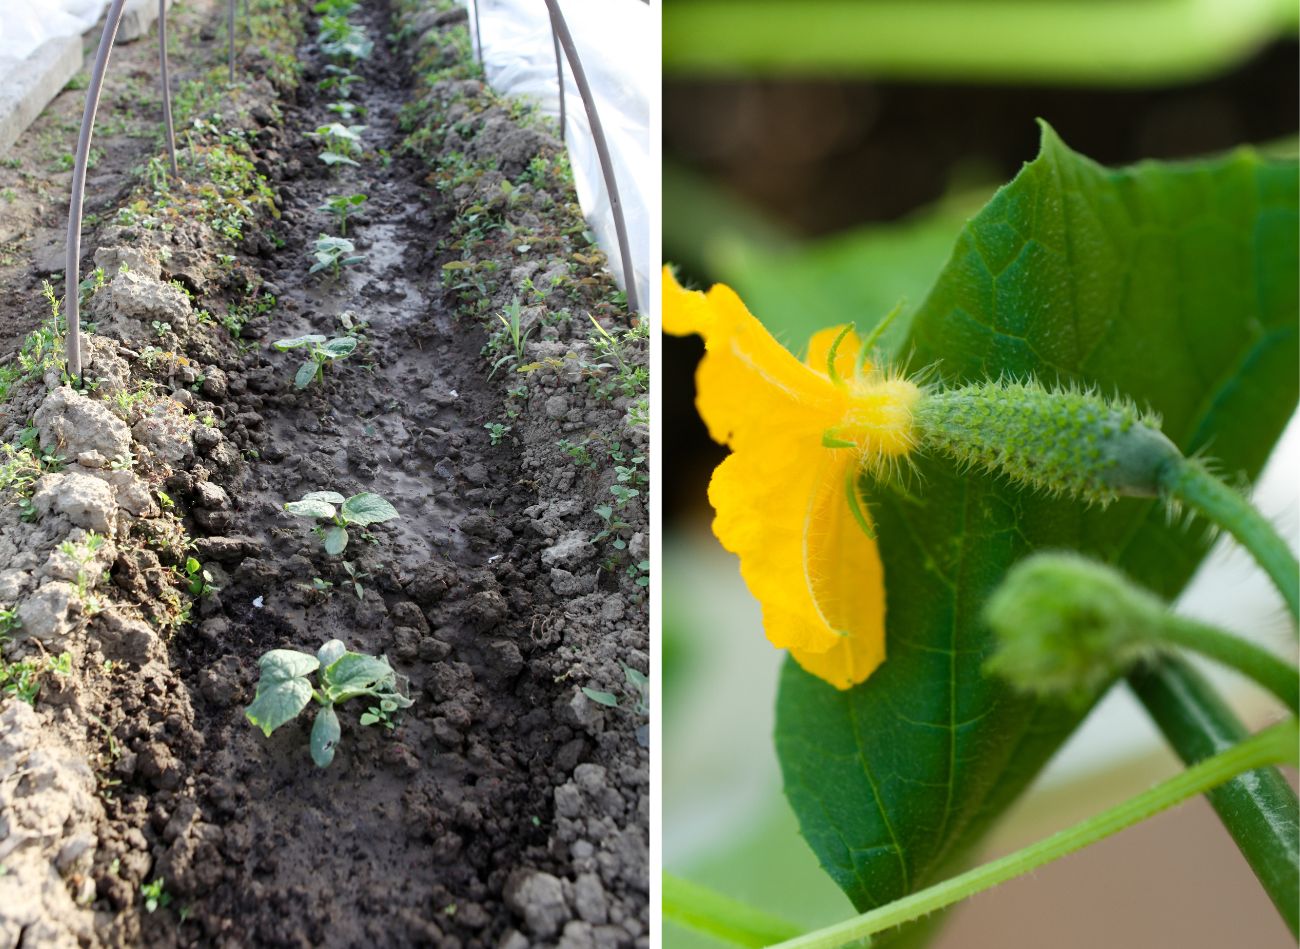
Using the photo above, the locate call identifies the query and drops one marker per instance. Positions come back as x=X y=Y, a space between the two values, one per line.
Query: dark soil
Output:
x=505 y=808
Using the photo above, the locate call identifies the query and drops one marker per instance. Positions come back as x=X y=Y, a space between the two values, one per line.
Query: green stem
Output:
x=1273 y=745
x=1188 y=481
x=1280 y=678
x=1260 y=812
x=707 y=911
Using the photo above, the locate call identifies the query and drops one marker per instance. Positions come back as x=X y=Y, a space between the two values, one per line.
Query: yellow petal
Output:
x=803 y=555
x=846 y=355
x=748 y=384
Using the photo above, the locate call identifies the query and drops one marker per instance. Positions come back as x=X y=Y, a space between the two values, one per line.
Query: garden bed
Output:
x=509 y=805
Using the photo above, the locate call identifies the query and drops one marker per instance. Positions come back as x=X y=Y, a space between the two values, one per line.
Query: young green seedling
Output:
x=340 y=38
x=342 y=142
x=285 y=689
x=341 y=206
x=320 y=352
x=338 y=79
x=344 y=109
x=334 y=253
x=360 y=510
x=200 y=580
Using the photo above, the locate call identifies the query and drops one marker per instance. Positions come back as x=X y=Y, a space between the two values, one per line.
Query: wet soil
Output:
x=506 y=807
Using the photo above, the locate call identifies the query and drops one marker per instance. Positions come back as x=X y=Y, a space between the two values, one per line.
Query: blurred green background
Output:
x=821 y=157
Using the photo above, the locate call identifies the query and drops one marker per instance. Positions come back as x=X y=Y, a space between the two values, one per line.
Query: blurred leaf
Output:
x=1175 y=284
x=1088 y=42
x=861 y=275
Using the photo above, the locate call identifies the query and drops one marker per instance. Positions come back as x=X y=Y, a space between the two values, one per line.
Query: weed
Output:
x=623 y=495
x=200 y=580
x=320 y=353
x=341 y=206
x=631 y=376
x=360 y=510
x=155 y=895
x=334 y=253
x=579 y=453
x=83 y=554
x=637 y=688
x=285 y=689
x=496 y=431
x=355 y=576
x=381 y=714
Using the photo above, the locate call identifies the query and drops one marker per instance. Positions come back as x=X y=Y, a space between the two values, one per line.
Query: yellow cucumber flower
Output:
x=787 y=497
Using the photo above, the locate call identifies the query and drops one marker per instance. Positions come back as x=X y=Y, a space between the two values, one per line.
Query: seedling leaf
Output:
x=603 y=698
x=336 y=538
x=278 y=702
x=325 y=735
x=367 y=508
x=308 y=340
x=306 y=373
x=356 y=674
x=331 y=652
x=341 y=346
x=310 y=507
x=280 y=665
x=330 y=497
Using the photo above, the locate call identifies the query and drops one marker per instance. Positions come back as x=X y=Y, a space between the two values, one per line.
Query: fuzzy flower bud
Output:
x=1067 y=626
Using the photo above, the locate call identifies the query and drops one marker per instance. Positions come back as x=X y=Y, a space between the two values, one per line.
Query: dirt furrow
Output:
x=509 y=804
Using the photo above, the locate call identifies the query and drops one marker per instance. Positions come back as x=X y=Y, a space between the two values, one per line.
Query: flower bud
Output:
x=1067 y=626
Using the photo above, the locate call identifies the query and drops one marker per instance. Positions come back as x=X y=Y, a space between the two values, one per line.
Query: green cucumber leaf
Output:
x=278 y=702
x=305 y=374
x=281 y=664
x=366 y=509
x=341 y=346
x=336 y=539
x=325 y=732
x=354 y=674
x=331 y=652
x=310 y=507
x=329 y=497
x=1174 y=284
x=601 y=698
x=295 y=342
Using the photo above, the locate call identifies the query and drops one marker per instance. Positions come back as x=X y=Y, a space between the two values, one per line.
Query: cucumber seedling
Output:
x=284 y=690
x=334 y=253
x=341 y=206
x=320 y=353
x=360 y=510
x=342 y=142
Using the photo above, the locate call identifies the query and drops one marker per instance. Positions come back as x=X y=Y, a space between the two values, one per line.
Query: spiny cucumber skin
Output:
x=1064 y=442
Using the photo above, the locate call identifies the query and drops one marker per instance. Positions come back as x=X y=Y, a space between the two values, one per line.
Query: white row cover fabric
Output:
x=26 y=24
x=622 y=68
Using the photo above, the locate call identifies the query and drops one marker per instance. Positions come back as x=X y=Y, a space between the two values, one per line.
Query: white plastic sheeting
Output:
x=26 y=24
x=621 y=67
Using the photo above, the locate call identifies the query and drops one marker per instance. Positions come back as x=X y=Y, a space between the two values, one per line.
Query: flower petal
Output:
x=846 y=354
x=784 y=510
x=748 y=384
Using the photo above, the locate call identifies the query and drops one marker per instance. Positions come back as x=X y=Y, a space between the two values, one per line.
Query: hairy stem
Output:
x=1276 y=744
x=1188 y=481
x=1280 y=678
x=1261 y=812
